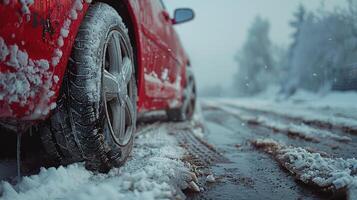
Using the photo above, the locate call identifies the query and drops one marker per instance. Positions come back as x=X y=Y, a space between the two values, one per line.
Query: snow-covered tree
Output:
x=325 y=44
x=255 y=60
x=289 y=81
x=296 y=23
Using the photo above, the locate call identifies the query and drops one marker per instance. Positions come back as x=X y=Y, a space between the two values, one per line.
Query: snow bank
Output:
x=313 y=168
x=335 y=108
x=154 y=172
x=345 y=99
x=300 y=130
x=295 y=129
x=331 y=99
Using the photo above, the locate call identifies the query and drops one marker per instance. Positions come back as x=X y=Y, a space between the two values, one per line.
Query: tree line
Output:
x=322 y=54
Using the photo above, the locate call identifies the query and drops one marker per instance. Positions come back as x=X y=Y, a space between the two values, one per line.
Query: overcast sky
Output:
x=219 y=30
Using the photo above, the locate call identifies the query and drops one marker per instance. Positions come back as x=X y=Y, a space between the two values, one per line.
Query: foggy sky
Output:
x=220 y=27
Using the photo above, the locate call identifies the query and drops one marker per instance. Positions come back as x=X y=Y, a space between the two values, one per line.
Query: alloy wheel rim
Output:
x=190 y=98
x=117 y=90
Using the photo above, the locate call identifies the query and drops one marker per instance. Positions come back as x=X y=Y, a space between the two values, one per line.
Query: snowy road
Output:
x=260 y=139
x=234 y=149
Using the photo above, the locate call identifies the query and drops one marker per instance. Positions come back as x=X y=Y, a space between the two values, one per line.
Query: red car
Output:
x=81 y=71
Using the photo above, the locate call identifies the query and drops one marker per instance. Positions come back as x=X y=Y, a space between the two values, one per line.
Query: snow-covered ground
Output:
x=296 y=129
x=154 y=171
x=335 y=108
x=313 y=168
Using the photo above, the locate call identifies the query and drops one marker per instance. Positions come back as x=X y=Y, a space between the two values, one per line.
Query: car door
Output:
x=174 y=68
x=157 y=56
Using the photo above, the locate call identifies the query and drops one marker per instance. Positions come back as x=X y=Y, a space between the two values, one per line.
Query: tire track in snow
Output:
x=199 y=152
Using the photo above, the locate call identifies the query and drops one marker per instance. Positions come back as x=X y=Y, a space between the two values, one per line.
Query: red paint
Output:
x=158 y=50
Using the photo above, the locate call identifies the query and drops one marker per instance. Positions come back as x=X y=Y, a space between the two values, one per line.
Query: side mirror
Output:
x=183 y=15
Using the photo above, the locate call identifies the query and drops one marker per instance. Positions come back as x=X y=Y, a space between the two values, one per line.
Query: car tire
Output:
x=95 y=117
x=186 y=111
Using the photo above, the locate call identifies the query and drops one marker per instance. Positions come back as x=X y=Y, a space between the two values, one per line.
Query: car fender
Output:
x=35 y=41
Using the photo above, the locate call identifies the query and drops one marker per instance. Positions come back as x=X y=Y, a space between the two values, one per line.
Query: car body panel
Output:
x=162 y=67
x=38 y=47
x=41 y=34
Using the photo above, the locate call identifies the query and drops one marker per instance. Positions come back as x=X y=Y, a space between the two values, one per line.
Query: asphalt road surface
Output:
x=248 y=172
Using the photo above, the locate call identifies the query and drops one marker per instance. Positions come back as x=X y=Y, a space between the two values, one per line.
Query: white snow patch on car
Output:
x=4 y=51
x=155 y=171
x=165 y=74
x=152 y=77
x=32 y=76
x=15 y=86
x=25 y=6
